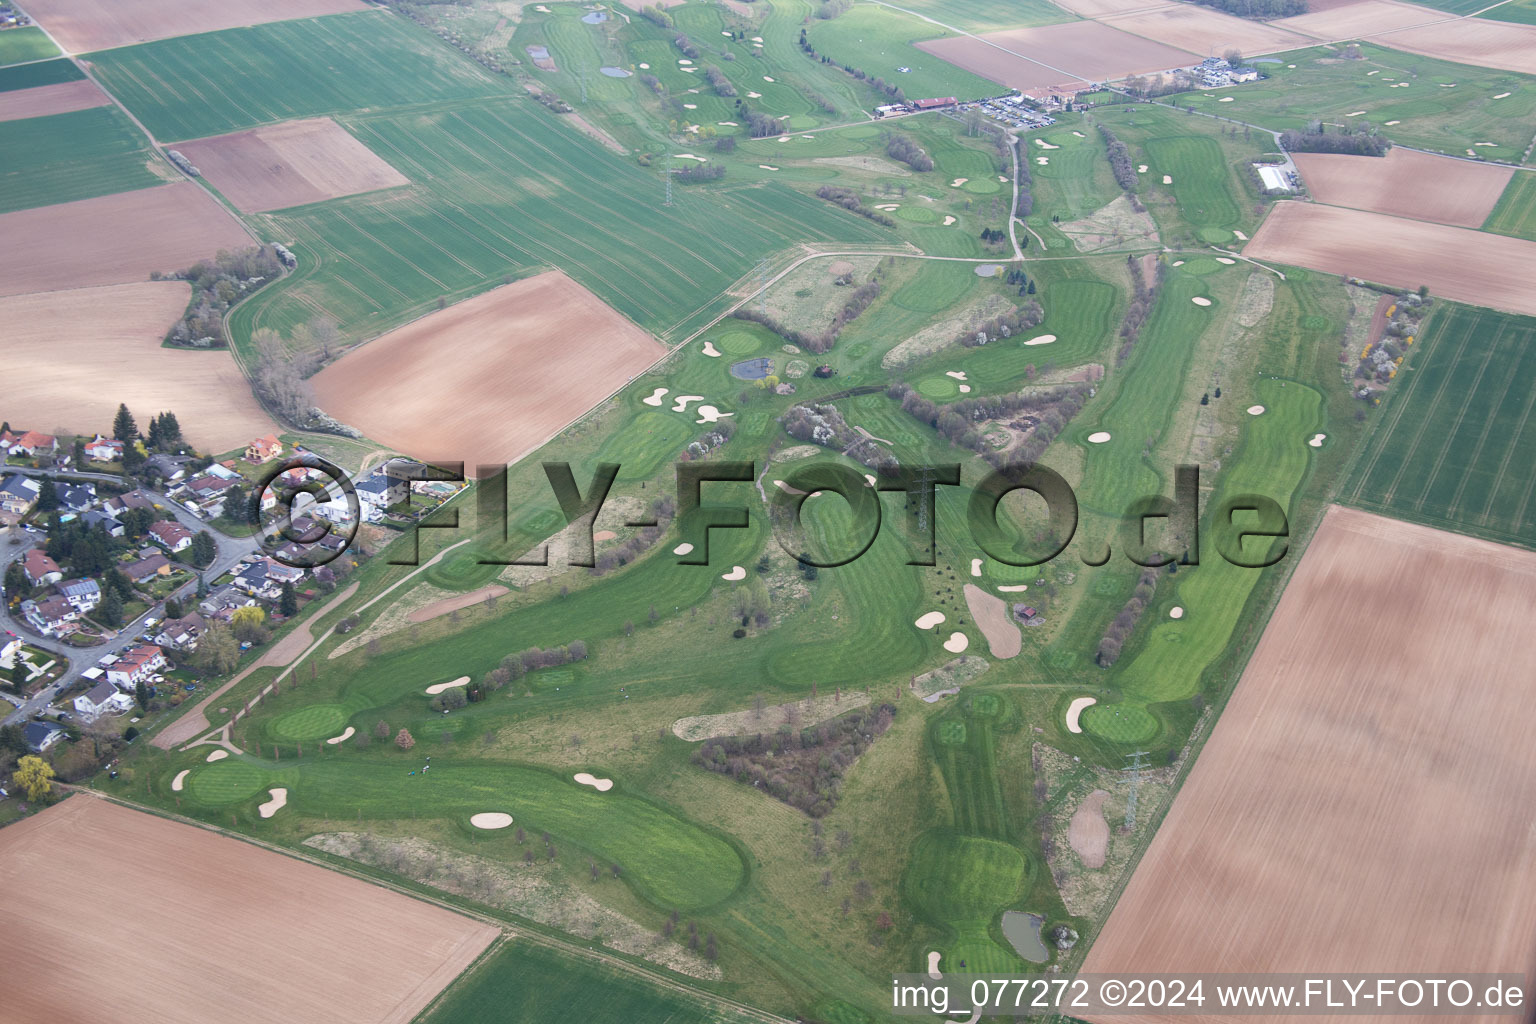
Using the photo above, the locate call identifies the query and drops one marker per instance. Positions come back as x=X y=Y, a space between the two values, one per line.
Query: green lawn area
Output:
x=878 y=41
x=47 y=72
x=1427 y=115
x=1455 y=444
x=78 y=155
x=1462 y=7
x=1521 y=11
x=989 y=15
x=1515 y=213
x=25 y=44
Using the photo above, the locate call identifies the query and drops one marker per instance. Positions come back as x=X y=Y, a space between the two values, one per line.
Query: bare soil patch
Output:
x=80 y=26
x=1360 y=19
x=290 y=164
x=1406 y=183
x=1257 y=299
x=70 y=357
x=797 y=713
x=1088 y=832
x=238 y=933
x=1101 y=8
x=453 y=604
x=1354 y=754
x=1469 y=266
x=50 y=99
x=1075 y=53
x=1206 y=31
x=1477 y=41
x=1115 y=225
x=992 y=618
x=489 y=379
x=113 y=239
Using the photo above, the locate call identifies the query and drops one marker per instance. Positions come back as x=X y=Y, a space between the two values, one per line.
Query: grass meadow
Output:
x=878 y=40
x=63 y=157
x=1515 y=213
x=20 y=45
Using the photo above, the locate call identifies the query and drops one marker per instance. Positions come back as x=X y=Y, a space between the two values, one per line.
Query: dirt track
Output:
x=50 y=99
x=60 y=348
x=81 y=26
x=228 y=932
x=486 y=381
x=1364 y=802
x=452 y=604
x=1088 y=832
x=1469 y=266
x=1406 y=183
x=290 y=164
x=113 y=239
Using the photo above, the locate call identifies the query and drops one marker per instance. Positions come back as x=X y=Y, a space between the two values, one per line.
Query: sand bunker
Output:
x=786 y=488
x=1015 y=588
x=680 y=404
x=490 y=819
x=655 y=398
x=710 y=350
x=1098 y=437
x=754 y=95
x=1317 y=440
x=334 y=740
x=1088 y=832
x=1167 y=179
x=437 y=688
x=1176 y=612
x=965 y=389
x=1141 y=168
x=217 y=755
x=684 y=61
x=1044 y=339
x=1080 y=135
x=1225 y=99
x=1240 y=235
x=1255 y=410
x=278 y=802
x=736 y=573
x=586 y=779
x=948 y=220
x=957 y=374
x=1075 y=709
x=1042 y=160
x=179 y=780
x=1200 y=301
x=1500 y=96
x=682 y=549
x=957 y=643
x=1354 y=113
x=766 y=167
x=958 y=182
x=1044 y=145
x=710 y=414
x=929 y=619
x=933 y=965
x=767 y=79
x=1225 y=259
x=992 y=618
x=1178 y=263
x=975 y=567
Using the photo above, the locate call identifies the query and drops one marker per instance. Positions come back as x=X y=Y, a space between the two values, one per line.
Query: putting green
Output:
x=226 y=782
x=316 y=722
x=983 y=186
x=917 y=214
x=1119 y=723
x=938 y=387
x=737 y=343
x=1201 y=265
x=1216 y=235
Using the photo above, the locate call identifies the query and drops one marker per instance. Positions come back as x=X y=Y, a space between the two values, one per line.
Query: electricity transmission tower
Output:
x=666 y=176
x=1135 y=767
x=762 y=286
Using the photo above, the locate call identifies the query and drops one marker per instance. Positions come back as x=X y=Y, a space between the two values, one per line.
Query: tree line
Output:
x=1124 y=623
x=853 y=203
x=1315 y=138
x=903 y=147
x=957 y=422
x=1143 y=296
x=218 y=284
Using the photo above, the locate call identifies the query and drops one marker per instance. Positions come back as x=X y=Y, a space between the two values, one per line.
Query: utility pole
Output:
x=1135 y=767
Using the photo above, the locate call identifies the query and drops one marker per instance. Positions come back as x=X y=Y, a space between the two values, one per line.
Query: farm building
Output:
x=937 y=103
x=1273 y=179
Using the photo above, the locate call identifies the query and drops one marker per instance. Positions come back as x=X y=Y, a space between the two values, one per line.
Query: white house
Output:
x=104 y=698
x=82 y=594
x=10 y=650
x=104 y=449
x=171 y=536
x=136 y=665
x=52 y=616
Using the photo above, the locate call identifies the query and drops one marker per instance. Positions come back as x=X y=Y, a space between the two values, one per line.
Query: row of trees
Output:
x=1143 y=295
x=850 y=200
x=218 y=284
x=1124 y=623
x=515 y=666
x=890 y=89
x=1315 y=138
x=1052 y=408
x=804 y=768
x=1020 y=318
x=637 y=543
x=717 y=81
x=1259 y=10
x=1119 y=160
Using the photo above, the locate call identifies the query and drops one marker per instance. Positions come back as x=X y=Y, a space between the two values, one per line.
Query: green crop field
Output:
x=25 y=44
x=193 y=86
x=1456 y=445
x=878 y=41
x=78 y=155
x=1521 y=11
x=46 y=72
x=1427 y=115
x=1462 y=7
x=1515 y=213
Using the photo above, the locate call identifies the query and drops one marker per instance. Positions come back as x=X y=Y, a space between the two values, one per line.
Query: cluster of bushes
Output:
x=218 y=284
x=656 y=15
x=552 y=101
x=994 y=236
x=824 y=425
x=719 y=82
x=683 y=43
x=652 y=83
x=1119 y=160
x=1019 y=279
x=1362 y=141
x=419 y=13
x=903 y=147
x=850 y=201
x=702 y=172
x=857 y=303
x=515 y=666
x=1020 y=318
x=725 y=144
x=956 y=422
x=662 y=509
x=1124 y=624
x=802 y=767
x=830 y=9
x=1259 y=10
x=715 y=437
x=1143 y=296
x=760 y=125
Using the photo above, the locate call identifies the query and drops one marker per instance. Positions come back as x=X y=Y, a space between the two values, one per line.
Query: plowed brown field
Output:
x=50 y=99
x=81 y=26
x=1477 y=41
x=228 y=932
x=1206 y=31
x=1363 y=804
x=1033 y=59
x=1407 y=183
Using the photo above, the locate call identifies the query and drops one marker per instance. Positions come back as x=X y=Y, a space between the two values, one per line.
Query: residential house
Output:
x=33 y=443
x=8 y=438
x=103 y=699
x=18 y=494
x=136 y=665
x=97 y=518
x=104 y=449
x=263 y=448
x=205 y=494
x=252 y=579
x=169 y=468
x=181 y=634
x=75 y=497
x=82 y=594
x=382 y=490
x=1244 y=75
x=10 y=650
x=224 y=470
x=133 y=499
x=222 y=602
x=52 y=616
x=40 y=569
x=42 y=735
x=148 y=568
x=172 y=536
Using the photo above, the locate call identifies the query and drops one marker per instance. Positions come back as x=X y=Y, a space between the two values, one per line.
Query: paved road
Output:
x=231 y=551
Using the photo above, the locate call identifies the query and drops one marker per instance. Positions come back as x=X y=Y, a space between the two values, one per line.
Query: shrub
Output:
x=404 y=740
